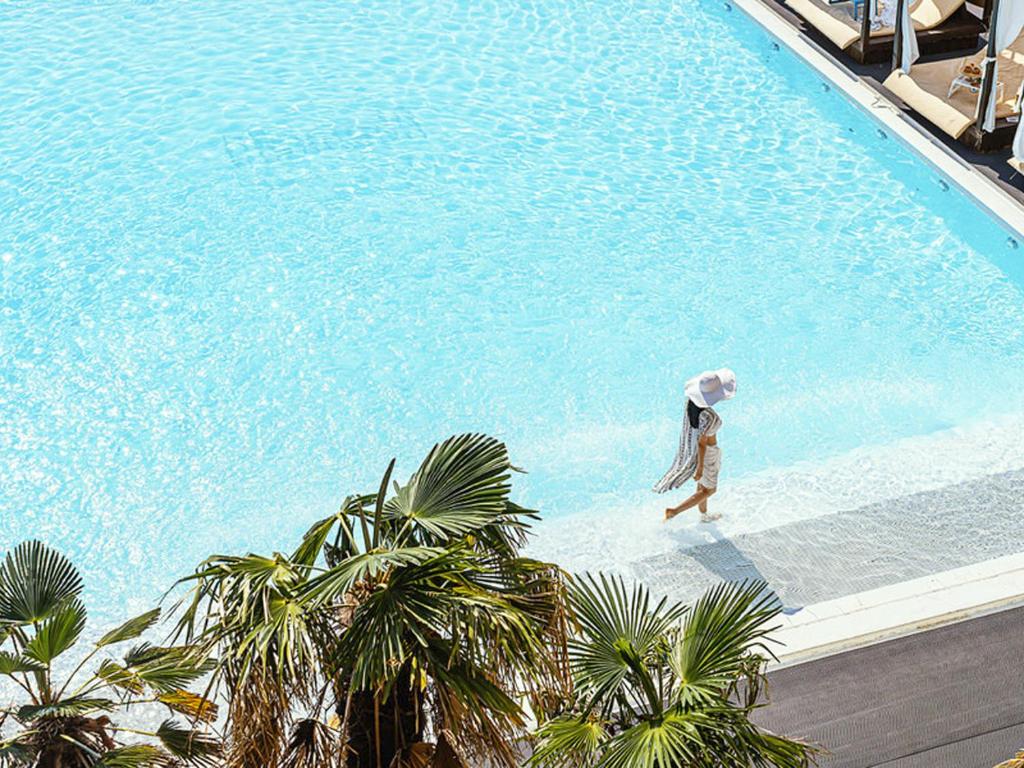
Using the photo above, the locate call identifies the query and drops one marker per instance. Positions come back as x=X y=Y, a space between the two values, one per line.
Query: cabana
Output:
x=942 y=25
x=978 y=106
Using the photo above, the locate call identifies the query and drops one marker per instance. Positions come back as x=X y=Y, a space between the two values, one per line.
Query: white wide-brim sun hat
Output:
x=711 y=387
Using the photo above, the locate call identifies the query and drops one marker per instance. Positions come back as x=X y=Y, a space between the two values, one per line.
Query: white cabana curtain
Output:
x=1018 y=137
x=910 y=51
x=907 y=38
x=1006 y=27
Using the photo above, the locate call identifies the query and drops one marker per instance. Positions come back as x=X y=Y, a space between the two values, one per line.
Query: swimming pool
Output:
x=249 y=252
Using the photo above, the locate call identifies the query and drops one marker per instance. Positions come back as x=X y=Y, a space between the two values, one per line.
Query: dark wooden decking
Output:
x=991 y=164
x=951 y=697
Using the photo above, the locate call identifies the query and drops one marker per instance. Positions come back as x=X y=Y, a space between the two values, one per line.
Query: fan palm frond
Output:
x=312 y=544
x=72 y=706
x=195 y=707
x=619 y=630
x=17 y=751
x=667 y=742
x=251 y=607
x=192 y=746
x=35 y=580
x=729 y=623
x=462 y=486
x=471 y=685
x=340 y=579
x=13 y=663
x=131 y=629
x=167 y=669
x=569 y=741
x=58 y=632
x=134 y=756
x=119 y=677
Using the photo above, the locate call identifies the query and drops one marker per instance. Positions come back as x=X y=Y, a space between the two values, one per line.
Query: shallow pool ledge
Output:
x=987 y=194
x=865 y=618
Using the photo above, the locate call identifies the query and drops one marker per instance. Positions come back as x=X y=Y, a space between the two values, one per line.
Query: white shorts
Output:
x=712 y=465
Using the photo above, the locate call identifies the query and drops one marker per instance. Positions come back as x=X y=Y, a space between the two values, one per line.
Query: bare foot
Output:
x=670 y=512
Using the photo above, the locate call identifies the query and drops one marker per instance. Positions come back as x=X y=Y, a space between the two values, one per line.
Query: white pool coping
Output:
x=900 y=609
x=984 y=191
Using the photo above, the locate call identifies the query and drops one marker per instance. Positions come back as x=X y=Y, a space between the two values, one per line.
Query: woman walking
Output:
x=699 y=455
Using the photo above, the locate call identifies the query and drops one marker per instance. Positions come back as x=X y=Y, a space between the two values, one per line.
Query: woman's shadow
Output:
x=722 y=557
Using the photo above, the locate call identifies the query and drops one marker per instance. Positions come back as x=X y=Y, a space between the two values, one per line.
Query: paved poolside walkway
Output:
x=814 y=560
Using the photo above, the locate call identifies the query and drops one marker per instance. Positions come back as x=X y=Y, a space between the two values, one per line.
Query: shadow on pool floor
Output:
x=872 y=546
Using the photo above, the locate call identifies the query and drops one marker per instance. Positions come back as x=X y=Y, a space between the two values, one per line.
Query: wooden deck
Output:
x=945 y=697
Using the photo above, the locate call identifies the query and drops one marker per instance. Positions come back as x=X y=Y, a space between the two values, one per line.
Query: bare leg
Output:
x=700 y=497
x=703 y=506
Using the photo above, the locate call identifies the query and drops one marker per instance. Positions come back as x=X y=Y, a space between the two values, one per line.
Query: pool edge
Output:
x=906 y=608
x=986 y=194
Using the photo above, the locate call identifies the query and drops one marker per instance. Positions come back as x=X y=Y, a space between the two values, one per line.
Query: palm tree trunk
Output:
x=381 y=728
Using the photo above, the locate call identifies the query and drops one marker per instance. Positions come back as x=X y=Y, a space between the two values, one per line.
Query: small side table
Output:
x=961 y=81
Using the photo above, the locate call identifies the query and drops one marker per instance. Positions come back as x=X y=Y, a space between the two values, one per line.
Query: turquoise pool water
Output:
x=251 y=250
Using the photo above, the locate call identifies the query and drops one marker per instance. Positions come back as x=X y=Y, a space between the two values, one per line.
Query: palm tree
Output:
x=664 y=686
x=66 y=723
x=407 y=629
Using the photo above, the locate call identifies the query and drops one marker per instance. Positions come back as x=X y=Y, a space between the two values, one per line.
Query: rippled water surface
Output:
x=251 y=250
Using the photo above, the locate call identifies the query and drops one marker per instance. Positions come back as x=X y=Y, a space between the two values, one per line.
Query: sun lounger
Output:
x=926 y=90
x=838 y=25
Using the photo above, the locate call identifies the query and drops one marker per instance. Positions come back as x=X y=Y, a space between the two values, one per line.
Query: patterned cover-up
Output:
x=685 y=464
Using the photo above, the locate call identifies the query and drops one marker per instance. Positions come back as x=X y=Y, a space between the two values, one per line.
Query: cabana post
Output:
x=904 y=45
x=988 y=81
x=865 y=23
x=897 y=38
